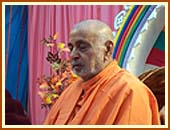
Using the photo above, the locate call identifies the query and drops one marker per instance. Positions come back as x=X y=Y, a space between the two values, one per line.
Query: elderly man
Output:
x=105 y=94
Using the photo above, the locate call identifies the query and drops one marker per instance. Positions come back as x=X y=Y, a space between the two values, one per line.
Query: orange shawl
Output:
x=113 y=96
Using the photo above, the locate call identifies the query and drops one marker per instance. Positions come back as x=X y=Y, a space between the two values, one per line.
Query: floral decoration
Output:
x=51 y=87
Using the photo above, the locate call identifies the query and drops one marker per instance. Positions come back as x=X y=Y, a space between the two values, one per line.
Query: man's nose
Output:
x=74 y=54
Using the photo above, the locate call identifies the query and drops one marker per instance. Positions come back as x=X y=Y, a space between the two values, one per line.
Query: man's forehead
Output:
x=86 y=39
x=83 y=32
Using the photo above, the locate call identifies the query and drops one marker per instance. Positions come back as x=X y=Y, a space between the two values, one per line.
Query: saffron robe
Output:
x=112 y=97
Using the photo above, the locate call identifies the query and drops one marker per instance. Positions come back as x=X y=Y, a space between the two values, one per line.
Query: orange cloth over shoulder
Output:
x=112 y=97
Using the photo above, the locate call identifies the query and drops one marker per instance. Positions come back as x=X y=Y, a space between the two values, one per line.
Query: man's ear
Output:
x=109 y=47
x=108 y=50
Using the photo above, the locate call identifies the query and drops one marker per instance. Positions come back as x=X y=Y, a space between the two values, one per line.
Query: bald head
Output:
x=93 y=28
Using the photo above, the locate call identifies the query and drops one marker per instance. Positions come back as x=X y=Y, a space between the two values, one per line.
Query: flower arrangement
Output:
x=50 y=87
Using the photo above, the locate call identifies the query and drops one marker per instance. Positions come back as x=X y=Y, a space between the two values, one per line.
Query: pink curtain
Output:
x=45 y=20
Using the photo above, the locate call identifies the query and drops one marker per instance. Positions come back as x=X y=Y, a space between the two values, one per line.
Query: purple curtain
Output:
x=45 y=20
